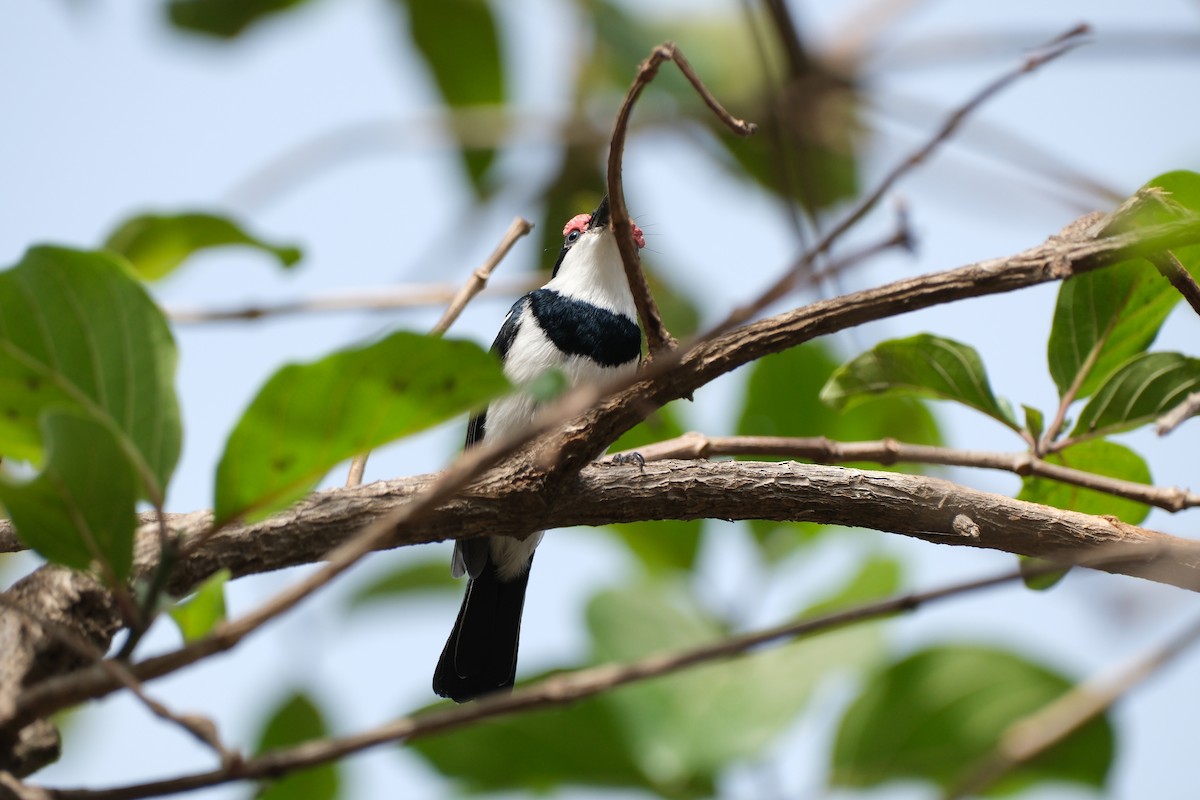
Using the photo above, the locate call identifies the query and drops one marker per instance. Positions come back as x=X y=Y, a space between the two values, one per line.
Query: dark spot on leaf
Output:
x=282 y=463
x=12 y=413
x=33 y=383
x=449 y=384
x=399 y=385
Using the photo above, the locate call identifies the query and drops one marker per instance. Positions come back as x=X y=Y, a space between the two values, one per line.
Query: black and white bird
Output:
x=583 y=323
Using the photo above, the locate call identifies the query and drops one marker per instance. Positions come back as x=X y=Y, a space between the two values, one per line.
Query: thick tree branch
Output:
x=890 y=451
x=926 y=508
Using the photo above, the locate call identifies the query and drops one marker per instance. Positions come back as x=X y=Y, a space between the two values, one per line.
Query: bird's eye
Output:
x=572 y=236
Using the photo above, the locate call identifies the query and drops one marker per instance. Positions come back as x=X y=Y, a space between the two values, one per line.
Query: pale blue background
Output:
x=105 y=112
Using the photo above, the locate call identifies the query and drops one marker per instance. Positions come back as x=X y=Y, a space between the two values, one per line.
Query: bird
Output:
x=583 y=322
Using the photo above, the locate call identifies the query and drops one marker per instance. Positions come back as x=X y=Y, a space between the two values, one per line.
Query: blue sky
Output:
x=108 y=112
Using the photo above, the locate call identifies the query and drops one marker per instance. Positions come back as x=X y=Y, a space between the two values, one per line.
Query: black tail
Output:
x=481 y=654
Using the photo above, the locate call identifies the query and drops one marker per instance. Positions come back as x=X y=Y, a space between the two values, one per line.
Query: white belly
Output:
x=530 y=355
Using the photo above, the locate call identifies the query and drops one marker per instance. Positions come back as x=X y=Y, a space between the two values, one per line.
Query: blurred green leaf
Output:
x=295 y=721
x=1105 y=317
x=1140 y=391
x=935 y=715
x=1035 y=421
x=656 y=736
x=877 y=578
x=923 y=365
x=685 y=728
x=1036 y=580
x=549 y=385
x=679 y=311
x=782 y=400
x=1101 y=457
x=197 y=615
x=582 y=744
x=461 y=46
x=156 y=244
x=659 y=544
x=82 y=506
x=77 y=331
x=224 y=18
x=309 y=417
x=407 y=579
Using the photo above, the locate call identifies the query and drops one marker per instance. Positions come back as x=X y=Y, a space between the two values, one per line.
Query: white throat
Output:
x=592 y=272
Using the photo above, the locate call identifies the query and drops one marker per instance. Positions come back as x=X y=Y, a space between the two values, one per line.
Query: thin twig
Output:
x=474 y=285
x=1048 y=52
x=1170 y=268
x=658 y=338
x=381 y=299
x=1177 y=415
x=555 y=691
x=889 y=451
x=1036 y=733
x=479 y=278
x=200 y=728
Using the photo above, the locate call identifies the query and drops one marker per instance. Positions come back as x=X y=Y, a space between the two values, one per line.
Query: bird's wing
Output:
x=471 y=555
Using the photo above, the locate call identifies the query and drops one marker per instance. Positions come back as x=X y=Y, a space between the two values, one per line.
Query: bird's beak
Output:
x=600 y=217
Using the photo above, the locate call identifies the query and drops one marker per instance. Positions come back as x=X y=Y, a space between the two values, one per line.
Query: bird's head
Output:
x=589 y=237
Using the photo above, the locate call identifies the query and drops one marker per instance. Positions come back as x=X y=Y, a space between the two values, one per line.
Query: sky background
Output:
x=108 y=112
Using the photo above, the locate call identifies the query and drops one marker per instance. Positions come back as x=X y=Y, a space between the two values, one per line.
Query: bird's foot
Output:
x=629 y=458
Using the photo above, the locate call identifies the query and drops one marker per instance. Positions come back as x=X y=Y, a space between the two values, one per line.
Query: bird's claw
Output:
x=629 y=458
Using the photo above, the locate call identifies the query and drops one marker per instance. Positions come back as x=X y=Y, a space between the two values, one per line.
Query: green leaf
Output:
x=878 y=577
x=295 y=721
x=77 y=331
x=1140 y=391
x=309 y=417
x=679 y=311
x=782 y=399
x=1036 y=580
x=157 y=244
x=674 y=746
x=659 y=544
x=461 y=46
x=822 y=173
x=1035 y=421
x=582 y=744
x=1105 y=317
x=1183 y=188
x=935 y=715
x=408 y=579
x=199 y=614
x=81 y=508
x=747 y=703
x=1101 y=457
x=224 y=18
x=923 y=365
x=549 y=385
x=1168 y=198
